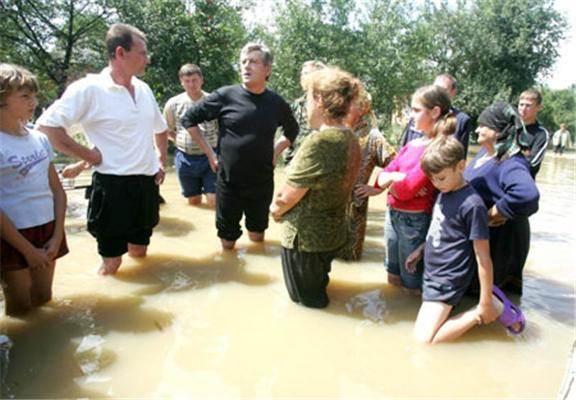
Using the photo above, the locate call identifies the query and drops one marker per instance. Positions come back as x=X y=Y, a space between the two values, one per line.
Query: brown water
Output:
x=191 y=321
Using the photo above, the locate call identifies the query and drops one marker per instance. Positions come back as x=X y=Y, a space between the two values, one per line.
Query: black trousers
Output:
x=233 y=201
x=306 y=276
x=509 y=246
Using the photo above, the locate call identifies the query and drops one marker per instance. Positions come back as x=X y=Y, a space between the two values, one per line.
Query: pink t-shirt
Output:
x=408 y=162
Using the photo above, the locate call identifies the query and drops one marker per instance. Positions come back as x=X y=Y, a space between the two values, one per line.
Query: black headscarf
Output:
x=504 y=119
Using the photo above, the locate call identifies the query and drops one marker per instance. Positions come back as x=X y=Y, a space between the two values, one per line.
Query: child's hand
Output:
x=52 y=246
x=414 y=258
x=487 y=313
x=397 y=176
x=385 y=179
x=363 y=191
x=37 y=258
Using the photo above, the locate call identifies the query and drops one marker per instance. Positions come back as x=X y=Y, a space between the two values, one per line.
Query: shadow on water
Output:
x=550 y=298
x=173 y=226
x=75 y=327
x=162 y=273
x=551 y=237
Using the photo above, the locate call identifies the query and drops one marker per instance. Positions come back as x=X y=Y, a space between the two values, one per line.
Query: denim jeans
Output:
x=403 y=233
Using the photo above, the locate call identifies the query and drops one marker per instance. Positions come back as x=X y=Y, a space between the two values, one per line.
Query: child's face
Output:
x=423 y=117
x=20 y=104
x=449 y=179
x=528 y=109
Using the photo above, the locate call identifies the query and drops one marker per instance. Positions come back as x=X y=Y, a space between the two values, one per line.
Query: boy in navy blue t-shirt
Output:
x=456 y=248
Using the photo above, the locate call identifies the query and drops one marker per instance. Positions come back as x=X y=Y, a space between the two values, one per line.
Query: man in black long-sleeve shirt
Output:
x=248 y=116
x=529 y=105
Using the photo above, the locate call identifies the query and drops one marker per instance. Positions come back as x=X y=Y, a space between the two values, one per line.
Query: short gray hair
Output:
x=267 y=57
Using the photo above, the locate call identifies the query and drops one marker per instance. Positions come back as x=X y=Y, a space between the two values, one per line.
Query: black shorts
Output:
x=122 y=210
x=233 y=201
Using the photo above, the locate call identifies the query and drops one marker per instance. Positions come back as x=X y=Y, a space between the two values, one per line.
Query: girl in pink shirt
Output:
x=410 y=192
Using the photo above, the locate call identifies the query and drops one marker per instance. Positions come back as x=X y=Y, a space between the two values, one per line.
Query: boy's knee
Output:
x=423 y=336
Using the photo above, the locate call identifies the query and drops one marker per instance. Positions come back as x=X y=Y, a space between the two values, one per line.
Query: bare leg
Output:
x=16 y=286
x=42 y=278
x=457 y=326
x=137 y=250
x=110 y=265
x=194 y=200
x=227 y=244
x=431 y=317
x=256 y=236
x=394 y=280
x=211 y=198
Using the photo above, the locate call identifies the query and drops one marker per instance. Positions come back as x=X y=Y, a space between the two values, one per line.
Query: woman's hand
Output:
x=362 y=191
x=495 y=218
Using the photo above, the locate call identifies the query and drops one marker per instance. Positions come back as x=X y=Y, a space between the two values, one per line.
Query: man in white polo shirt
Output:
x=121 y=118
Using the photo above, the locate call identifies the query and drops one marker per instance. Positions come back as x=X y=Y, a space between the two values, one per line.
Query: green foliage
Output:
x=375 y=40
x=558 y=106
x=56 y=39
x=495 y=48
x=208 y=33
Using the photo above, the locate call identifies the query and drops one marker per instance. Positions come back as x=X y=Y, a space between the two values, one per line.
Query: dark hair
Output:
x=443 y=152
x=435 y=96
x=121 y=35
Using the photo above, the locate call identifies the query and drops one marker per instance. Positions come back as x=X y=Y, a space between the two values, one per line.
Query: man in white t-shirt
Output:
x=192 y=165
x=121 y=118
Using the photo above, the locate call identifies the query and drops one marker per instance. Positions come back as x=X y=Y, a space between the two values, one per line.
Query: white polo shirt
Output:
x=120 y=126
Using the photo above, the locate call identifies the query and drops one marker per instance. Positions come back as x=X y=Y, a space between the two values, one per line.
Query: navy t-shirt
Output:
x=248 y=124
x=458 y=218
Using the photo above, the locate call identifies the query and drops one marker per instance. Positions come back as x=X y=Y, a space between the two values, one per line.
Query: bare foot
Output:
x=109 y=265
x=227 y=244
x=256 y=236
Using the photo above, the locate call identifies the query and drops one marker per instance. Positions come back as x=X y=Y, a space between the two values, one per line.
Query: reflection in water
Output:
x=192 y=321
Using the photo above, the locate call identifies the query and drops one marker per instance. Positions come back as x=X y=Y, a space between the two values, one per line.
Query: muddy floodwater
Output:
x=191 y=321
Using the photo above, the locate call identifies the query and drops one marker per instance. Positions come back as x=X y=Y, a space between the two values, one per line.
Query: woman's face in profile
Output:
x=486 y=136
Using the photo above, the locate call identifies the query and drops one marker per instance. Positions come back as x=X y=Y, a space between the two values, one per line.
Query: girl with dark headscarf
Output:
x=501 y=175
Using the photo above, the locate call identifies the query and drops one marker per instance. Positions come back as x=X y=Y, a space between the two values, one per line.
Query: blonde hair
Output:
x=443 y=152
x=336 y=88
x=13 y=78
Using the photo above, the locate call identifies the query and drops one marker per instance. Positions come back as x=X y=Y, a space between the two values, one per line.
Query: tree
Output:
x=558 y=106
x=205 y=32
x=495 y=48
x=375 y=40
x=53 y=38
